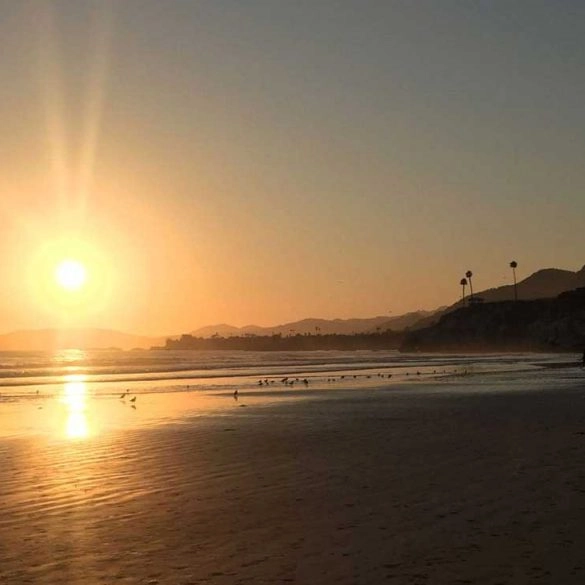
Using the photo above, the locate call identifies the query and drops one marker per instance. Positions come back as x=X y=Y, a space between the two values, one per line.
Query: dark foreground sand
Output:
x=365 y=488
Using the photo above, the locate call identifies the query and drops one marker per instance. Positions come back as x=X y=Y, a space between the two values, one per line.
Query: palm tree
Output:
x=463 y=284
x=469 y=274
x=513 y=266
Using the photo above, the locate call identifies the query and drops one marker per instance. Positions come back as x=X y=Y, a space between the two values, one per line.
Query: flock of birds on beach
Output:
x=291 y=382
x=132 y=400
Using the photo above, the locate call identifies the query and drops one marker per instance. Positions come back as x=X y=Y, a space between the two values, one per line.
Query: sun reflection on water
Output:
x=75 y=400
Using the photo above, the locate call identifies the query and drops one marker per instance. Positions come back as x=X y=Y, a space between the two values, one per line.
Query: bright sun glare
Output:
x=70 y=274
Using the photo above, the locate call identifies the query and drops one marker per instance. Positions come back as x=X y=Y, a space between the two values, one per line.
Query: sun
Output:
x=70 y=274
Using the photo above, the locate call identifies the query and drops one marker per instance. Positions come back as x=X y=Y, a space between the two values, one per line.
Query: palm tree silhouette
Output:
x=513 y=266
x=463 y=284
x=469 y=274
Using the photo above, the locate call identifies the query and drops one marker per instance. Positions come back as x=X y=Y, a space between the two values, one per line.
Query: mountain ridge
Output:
x=314 y=325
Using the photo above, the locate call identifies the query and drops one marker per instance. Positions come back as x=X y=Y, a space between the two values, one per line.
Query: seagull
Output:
x=133 y=399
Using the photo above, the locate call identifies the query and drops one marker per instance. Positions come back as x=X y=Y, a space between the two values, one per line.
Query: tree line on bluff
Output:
x=307 y=342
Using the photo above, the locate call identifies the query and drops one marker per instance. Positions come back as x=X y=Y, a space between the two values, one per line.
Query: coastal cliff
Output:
x=556 y=324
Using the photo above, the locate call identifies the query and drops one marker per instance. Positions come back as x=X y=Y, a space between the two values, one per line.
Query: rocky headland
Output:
x=554 y=324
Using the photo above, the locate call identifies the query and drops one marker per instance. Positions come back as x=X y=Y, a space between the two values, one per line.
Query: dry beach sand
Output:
x=461 y=481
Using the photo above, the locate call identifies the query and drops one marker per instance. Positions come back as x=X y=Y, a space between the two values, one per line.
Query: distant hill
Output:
x=408 y=320
x=51 y=339
x=220 y=330
x=530 y=325
x=543 y=284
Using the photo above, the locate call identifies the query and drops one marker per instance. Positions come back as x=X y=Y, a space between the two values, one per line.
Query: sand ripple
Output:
x=450 y=489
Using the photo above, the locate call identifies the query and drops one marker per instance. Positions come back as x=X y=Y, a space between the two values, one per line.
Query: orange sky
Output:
x=261 y=163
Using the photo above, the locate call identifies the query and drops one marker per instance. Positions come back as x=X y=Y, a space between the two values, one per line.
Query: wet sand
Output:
x=407 y=485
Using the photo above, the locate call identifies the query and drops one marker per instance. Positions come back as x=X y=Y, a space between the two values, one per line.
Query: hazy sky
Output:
x=260 y=161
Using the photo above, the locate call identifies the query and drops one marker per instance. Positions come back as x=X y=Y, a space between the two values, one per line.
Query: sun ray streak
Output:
x=51 y=82
x=103 y=30
x=72 y=173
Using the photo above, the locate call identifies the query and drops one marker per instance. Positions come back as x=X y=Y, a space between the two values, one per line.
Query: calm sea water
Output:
x=106 y=372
